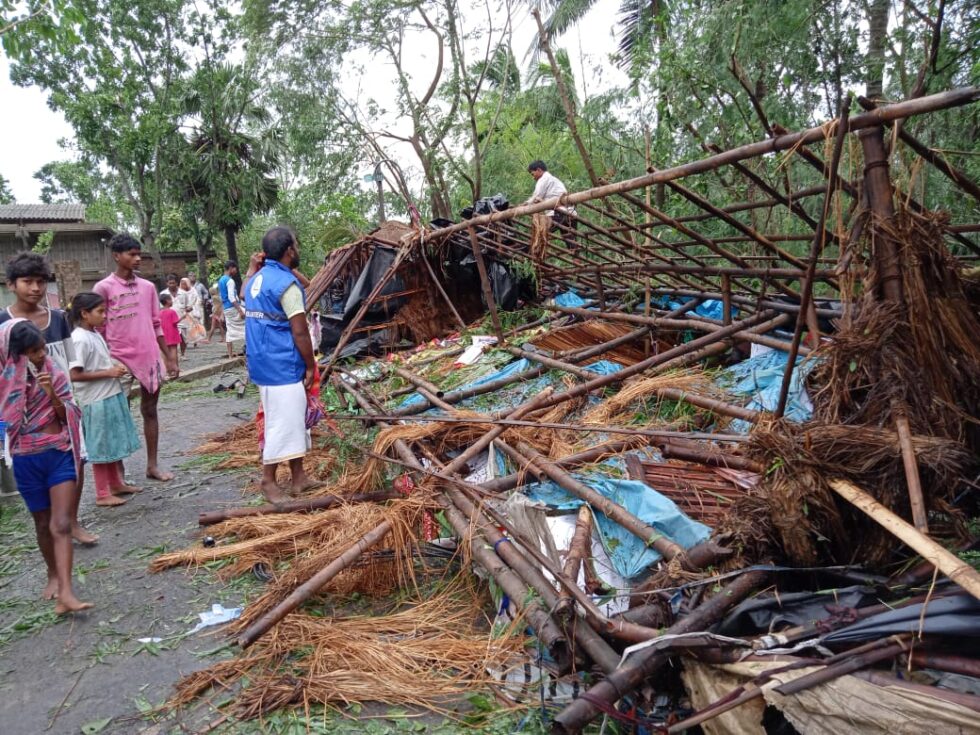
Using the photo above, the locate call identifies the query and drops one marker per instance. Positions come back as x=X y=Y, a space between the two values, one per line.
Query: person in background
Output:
x=548 y=186
x=205 y=296
x=135 y=337
x=188 y=308
x=43 y=427
x=232 y=307
x=217 y=315
x=28 y=275
x=170 y=324
x=110 y=435
x=171 y=287
x=280 y=357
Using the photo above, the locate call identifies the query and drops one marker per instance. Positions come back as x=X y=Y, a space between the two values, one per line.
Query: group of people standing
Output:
x=65 y=380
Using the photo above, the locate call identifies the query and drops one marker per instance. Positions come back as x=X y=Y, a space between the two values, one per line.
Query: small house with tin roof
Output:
x=78 y=248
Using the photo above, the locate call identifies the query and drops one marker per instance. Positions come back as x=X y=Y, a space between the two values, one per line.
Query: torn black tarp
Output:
x=956 y=615
x=776 y=612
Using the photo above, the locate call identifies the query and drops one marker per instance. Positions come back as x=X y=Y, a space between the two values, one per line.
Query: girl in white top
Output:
x=110 y=435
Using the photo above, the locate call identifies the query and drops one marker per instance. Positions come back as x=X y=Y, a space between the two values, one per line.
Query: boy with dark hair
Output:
x=28 y=275
x=135 y=337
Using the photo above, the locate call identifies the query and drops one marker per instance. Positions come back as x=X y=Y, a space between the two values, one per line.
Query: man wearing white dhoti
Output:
x=279 y=357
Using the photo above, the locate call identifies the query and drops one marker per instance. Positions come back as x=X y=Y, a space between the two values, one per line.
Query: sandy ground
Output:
x=70 y=675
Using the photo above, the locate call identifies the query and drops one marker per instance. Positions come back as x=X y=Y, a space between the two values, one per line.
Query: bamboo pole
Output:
x=557 y=426
x=292 y=506
x=311 y=586
x=345 y=336
x=484 y=441
x=952 y=566
x=919 y=515
x=959 y=178
x=695 y=558
x=815 y=248
x=597 y=649
x=886 y=113
x=442 y=292
x=540 y=621
x=578 y=549
x=645 y=663
x=514 y=587
x=481 y=267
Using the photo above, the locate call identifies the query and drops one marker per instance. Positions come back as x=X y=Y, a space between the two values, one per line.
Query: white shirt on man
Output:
x=549 y=186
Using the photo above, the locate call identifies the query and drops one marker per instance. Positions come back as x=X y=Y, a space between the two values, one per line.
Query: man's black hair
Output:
x=277 y=241
x=83 y=301
x=230 y=264
x=174 y=276
x=537 y=166
x=123 y=242
x=23 y=337
x=28 y=265
x=165 y=298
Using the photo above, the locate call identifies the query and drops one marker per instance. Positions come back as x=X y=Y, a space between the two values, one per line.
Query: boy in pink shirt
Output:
x=135 y=336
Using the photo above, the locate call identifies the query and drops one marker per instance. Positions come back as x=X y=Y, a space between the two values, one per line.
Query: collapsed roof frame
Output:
x=615 y=253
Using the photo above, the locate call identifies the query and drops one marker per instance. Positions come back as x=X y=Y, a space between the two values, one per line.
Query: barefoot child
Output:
x=110 y=435
x=43 y=427
x=28 y=275
x=169 y=322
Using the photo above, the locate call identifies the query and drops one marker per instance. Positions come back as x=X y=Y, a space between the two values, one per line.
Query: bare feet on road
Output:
x=273 y=493
x=70 y=604
x=125 y=489
x=110 y=501
x=83 y=536
x=155 y=473
x=50 y=590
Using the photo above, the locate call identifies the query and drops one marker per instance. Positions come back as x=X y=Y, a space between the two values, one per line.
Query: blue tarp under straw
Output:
x=629 y=554
x=570 y=299
x=710 y=308
x=516 y=393
x=761 y=378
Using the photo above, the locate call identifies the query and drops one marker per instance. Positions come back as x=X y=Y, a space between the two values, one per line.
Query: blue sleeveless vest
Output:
x=271 y=353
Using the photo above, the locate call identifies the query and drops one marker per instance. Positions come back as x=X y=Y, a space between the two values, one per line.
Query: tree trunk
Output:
x=877 y=40
x=231 y=243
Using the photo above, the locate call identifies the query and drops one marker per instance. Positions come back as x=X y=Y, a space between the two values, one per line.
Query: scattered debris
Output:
x=697 y=480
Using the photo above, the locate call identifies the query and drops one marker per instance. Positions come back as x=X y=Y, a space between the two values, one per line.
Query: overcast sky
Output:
x=30 y=130
x=29 y=135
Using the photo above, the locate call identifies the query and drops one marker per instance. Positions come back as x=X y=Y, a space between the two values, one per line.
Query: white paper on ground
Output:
x=472 y=353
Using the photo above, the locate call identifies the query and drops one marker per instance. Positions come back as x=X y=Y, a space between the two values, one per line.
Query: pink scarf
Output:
x=13 y=400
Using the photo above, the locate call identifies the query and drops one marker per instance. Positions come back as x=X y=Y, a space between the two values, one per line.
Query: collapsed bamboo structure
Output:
x=863 y=448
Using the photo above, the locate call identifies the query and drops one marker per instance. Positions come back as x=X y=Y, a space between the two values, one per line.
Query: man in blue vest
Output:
x=231 y=306
x=280 y=356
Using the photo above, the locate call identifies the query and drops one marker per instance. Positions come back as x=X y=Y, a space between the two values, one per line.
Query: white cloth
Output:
x=92 y=354
x=286 y=435
x=549 y=187
x=188 y=301
x=234 y=326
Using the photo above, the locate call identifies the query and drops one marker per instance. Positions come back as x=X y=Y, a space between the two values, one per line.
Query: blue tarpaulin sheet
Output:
x=710 y=308
x=761 y=377
x=569 y=298
x=629 y=554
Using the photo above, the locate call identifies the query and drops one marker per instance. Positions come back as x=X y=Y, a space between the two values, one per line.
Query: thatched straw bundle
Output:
x=417 y=656
x=639 y=389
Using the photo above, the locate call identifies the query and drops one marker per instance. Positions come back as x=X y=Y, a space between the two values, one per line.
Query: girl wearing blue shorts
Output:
x=43 y=439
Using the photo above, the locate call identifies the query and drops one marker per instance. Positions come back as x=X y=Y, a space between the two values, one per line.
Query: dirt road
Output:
x=73 y=674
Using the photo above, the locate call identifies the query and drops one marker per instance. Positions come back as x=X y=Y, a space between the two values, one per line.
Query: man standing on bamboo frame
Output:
x=548 y=186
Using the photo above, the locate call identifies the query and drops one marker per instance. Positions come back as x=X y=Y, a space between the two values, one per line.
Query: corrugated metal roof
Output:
x=42 y=213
